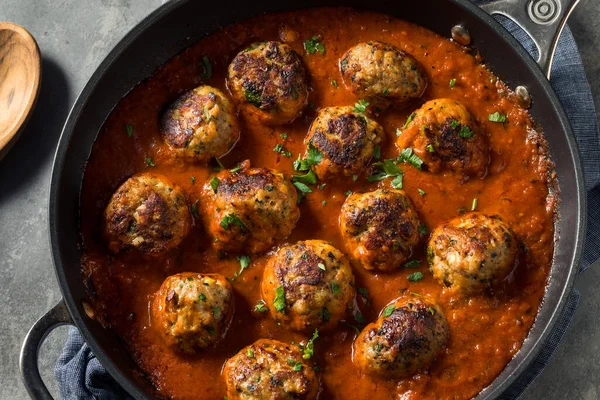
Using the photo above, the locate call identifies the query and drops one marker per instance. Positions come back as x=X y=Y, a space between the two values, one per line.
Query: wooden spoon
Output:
x=20 y=71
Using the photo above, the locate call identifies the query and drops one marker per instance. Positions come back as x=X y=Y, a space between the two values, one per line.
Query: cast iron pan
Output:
x=178 y=24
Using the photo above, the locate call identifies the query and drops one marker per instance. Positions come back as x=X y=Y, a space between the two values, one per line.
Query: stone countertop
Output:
x=74 y=36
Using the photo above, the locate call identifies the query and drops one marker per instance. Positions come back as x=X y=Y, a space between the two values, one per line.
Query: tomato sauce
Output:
x=487 y=329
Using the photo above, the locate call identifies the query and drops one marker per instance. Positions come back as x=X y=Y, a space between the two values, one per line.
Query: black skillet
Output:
x=178 y=24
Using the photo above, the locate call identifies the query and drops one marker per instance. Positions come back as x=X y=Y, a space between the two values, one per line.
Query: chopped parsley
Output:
x=335 y=287
x=364 y=294
x=321 y=266
x=421 y=191
x=452 y=82
x=431 y=310
x=474 y=204
x=261 y=307
x=409 y=120
x=253 y=97
x=348 y=192
x=376 y=152
x=430 y=148
x=412 y=264
x=415 y=276
x=321 y=186
x=232 y=219
x=398 y=132
x=297 y=366
x=325 y=314
x=236 y=168
x=497 y=117
x=244 y=263
x=129 y=130
x=465 y=132
x=280 y=149
x=310 y=178
x=388 y=310
x=269 y=188
x=279 y=302
x=313 y=157
x=361 y=106
x=354 y=178
x=454 y=124
x=308 y=350
x=206 y=68
x=334 y=83
x=194 y=209
x=193 y=179
x=387 y=169
x=250 y=353
x=149 y=162
x=221 y=166
x=284 y=136
x=408 y=156
x=214 y=183
x=216 y=311
x=423 y=230
x=202 y=296
x=386 y=91
x=313 y=45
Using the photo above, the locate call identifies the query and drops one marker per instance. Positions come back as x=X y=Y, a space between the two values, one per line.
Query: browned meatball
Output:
x=382 y=74
x=200 y=124
x=347 y=140
x=249 y=209
x=381 y=228
x=444 y=135
x=192 y=311
x=308 y=285
x=147 y=213
x=408 y=336
x=269 y=80
x=471 y=252
x=269 y=370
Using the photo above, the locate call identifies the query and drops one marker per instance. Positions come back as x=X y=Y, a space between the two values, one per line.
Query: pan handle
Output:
x=28 y=363
x=543 y=20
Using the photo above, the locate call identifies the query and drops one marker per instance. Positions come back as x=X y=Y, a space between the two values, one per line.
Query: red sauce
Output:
x=486 y=329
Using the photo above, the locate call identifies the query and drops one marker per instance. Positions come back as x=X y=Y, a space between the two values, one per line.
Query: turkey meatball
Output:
x=269 y=370
x=408 y=336
x=200 y=124
x=192 y=311
x=147 y=213
x=346 y=139
x=471 y=252
x=382 y=74
x=308 y=285
x=444 y=135
x=249 y=209
x=381 y=228
x=269 y=80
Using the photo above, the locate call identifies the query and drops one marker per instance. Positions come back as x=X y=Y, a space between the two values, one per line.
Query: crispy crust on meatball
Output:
x=200 y=124
x=471 y=252
x=147 y=213
x=381 y=228
x=269 y=80
x=269 y=370
x=445 y=136
x=410 y=333
x=347 y=140
x=382 y=74
x=251 y=209
x=317 y=284
x=192 y=311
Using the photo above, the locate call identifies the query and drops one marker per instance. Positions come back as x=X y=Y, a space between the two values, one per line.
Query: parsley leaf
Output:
x=214 y=183
x=193 y=179
x=452 y=82
x=385 y=169
x=430 y=148
x=194 y=209
x=284 y=136
x=423 y=230
x=409 y=120
x=474 y=204
x=244 y=263
x=388 y=310
x=364 y=294
x=454 y=124
x=310 y=178
x=253 y=97
x=279 y=302
x=149 y=162
x=497 y=117
x=335 y=287
x=261 y=306
x=313 y=157
x=412 y=264
x=408 y=156
x=421 y=191
x=308 y=350
x=325 y=314
x=129 y=130
x=334 y=83
x=250 y=353
x=232 y=219
x=280 y=149
x=415 y=276
x=313 y=45
x=361 y=106
x=377 y=152
x=206 y=68
x=465 y=132
x=297 y=366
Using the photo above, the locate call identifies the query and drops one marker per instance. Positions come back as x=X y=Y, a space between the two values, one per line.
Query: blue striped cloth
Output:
x=80 y=375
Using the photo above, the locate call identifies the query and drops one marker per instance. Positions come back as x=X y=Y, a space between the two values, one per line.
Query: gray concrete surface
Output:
x=74 y=36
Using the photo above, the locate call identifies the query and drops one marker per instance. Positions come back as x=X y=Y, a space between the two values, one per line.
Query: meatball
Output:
x=269 y=370
x=269 y=80
x=471 y=252
x=381 y=228
x=408 y=336
x=346 y=139
x=382 y=74
x=200 y=124
x=147 y=213
x=249 y=209
x=308 y=285
x=444 y=135
x=192 y=311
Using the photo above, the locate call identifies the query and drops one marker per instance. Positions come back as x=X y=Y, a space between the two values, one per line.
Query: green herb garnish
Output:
x=279 y=302
x=129 y=130
x=214 y=183
x=361 y=106
x=415 y=276
x=497 y=117
x=408 y=156
x=232 y=219
x=313 y=45
x=206 y=68
x=261 y=306
x=149 y=162
x=452 y=82
x=388 y=310
x=409 y=120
